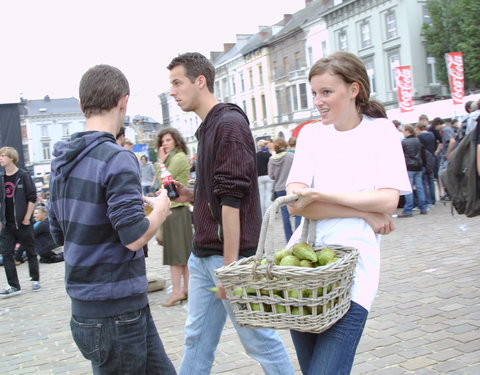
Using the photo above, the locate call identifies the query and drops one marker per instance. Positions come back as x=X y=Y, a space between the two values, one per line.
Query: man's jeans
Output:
x=416 y=179
x=124 y=344
x=205 y=321
x=429 y=187
x=265 y=188
x=287 y=224
x=8 y=239
x=331 y=352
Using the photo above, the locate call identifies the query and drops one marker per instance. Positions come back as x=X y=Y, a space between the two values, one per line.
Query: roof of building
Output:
x=47 y=106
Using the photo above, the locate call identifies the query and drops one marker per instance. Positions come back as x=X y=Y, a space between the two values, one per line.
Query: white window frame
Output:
x=393 y=62
x=391 y=25
x=365 y=34
x=342 y=40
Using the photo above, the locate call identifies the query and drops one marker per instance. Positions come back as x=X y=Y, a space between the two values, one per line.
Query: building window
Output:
x=44 y=130
x=260 y=74
x=254 y=110
x=302 y=87
x=275 y=69
x=286 y=65
x=278 y=95
x=234 y=88
x=431 y=71
x=394 y=62
x=217 y=88
x=224 y=87
x=46 y=150
x=250 y=77
x=426 y=15
x=292 y=93
x=365 y=34
x=244 y=106
x=65 y=130
x=324 y=48
x=297 y=60
x=391 y=25
x=264 y=107
x=369 y=67
x=242 y=82
x=342 y=40
x=310 y=56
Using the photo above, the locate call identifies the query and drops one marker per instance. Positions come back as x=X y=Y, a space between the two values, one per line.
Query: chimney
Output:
x=215 y=55
x=287 y=18
x=228 y=46
x=308 y=2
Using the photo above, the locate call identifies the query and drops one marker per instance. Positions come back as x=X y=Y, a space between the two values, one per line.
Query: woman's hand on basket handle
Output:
x=221 y=291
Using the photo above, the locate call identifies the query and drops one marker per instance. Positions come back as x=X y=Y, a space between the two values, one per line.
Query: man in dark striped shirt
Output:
x=226 y=216
x=96 y=212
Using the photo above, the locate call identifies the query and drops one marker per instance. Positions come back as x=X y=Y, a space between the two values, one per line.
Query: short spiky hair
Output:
x=101 y=88
x=195 y=65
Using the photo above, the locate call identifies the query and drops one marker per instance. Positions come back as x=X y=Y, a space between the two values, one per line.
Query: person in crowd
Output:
x=97 y=213
x=398 y=125
x=412 y=149
x=177 y=229
x=265 y=183
x=120 y=136
x=128 y=144
x=427 y=139
x=278 y=168
x=473 y=116
x=292 y=144
x=457 y=129
x=44 y=244
x=226 y=217
x=147 y=172
x=352 y=195
x=443 y=151
x=17 y=201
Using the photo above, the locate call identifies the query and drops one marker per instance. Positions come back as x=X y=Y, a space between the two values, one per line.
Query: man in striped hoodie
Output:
x=96 y=212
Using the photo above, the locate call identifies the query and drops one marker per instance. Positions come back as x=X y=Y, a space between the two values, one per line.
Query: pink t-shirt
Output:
x=366 y=158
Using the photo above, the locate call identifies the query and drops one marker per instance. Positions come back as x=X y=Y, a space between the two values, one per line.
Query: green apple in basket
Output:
x=280 y=254
x=304 y=251
x=325 y=256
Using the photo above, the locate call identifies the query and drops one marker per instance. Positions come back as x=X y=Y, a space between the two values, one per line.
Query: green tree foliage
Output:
x=454 y=27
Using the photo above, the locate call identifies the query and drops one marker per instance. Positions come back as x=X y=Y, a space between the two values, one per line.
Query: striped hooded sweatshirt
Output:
x=96 y=208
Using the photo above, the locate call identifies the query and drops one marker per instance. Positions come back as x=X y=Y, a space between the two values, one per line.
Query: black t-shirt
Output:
x=9 y=193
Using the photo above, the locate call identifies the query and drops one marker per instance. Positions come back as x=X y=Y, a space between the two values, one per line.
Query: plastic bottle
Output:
x=167 y=181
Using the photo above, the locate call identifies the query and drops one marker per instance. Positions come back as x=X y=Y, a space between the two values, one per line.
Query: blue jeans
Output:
x=205 y=321
x=416 y=179
x=124 y=344
x=333 y=351
x=287 y=225
x=265 y=188
x=429 y=187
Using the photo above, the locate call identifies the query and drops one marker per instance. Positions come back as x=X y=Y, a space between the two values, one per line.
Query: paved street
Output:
x=425 y=319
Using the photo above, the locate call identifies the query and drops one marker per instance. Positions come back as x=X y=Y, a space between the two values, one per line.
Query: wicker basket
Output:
x=279 y=297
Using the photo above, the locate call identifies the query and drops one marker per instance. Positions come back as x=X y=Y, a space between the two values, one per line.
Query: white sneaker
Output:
x=10 y=292
x=36 y=286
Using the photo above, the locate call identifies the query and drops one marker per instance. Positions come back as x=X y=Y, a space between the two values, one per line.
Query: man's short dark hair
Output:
x=468 y=107
x=195 y=65
x=120 y=132
x=101 y=88
x=437 y=121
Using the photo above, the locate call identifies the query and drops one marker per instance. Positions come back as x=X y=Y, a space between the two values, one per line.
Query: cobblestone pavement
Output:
x=425 y=319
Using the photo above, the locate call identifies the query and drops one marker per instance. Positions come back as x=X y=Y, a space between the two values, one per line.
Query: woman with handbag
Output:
x=348 y=172
x=177 y=228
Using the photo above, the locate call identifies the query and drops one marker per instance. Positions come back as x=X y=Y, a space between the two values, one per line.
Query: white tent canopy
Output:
x=439 y=108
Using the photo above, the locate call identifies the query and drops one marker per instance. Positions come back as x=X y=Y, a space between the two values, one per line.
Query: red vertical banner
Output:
x=454 y=61
x=403 y=75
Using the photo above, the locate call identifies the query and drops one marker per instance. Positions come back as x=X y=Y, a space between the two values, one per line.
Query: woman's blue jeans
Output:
x=333 y=351
x=287 y=225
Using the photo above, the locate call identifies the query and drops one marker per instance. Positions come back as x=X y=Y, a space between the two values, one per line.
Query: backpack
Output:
x=460 y=178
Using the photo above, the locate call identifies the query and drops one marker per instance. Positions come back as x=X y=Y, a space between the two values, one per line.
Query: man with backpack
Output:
x=413 y=159
x=429 y=145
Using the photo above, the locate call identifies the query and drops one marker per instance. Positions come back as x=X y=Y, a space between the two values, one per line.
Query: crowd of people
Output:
x=99 y=189
x=427 y=147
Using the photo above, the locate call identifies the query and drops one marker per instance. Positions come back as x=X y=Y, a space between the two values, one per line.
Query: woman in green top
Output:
x=177 y=229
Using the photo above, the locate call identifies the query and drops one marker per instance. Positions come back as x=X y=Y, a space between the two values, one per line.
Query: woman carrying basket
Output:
x=348 y=172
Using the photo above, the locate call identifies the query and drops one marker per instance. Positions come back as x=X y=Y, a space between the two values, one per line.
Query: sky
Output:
x=48 y=44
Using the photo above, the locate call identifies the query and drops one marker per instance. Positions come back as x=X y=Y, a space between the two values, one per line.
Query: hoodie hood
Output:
x=218 y=110
x=69 y=153
x=278 y=158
